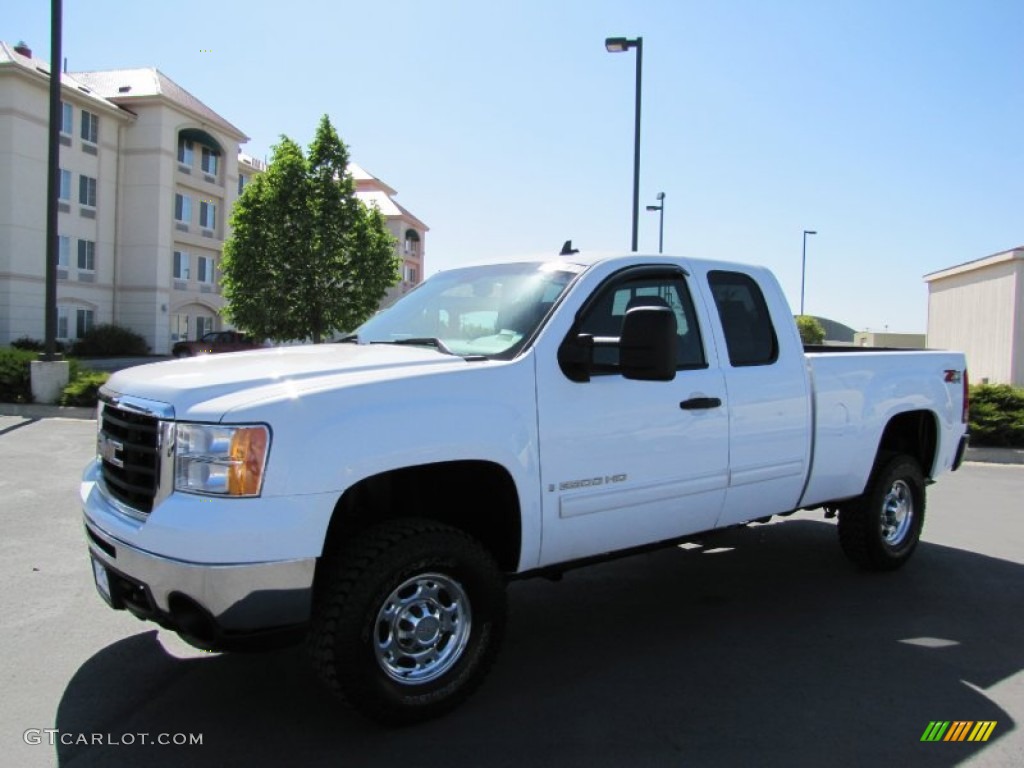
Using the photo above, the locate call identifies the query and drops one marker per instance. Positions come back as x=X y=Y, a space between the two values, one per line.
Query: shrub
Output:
x=997 y=415
x=84 y=388
x=108 y=340
x=36 y=345
x=811 y=330
x=16 y=375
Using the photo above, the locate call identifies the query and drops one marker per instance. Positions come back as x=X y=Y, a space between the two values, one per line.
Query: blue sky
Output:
x=895 y=128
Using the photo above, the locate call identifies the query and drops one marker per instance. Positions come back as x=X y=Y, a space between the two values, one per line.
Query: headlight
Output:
x=227 y=461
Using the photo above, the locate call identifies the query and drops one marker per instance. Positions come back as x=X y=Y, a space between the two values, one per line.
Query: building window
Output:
x=183 y=208
x=412 y=242
x=67 y=125
x=181 y=265
x=83 y=322
x=62 y=322
x=204 y=269
x=185 y=152
x=179 y=327
x=204 y=325
x=90 y=127
x=87 y=190
x=207 y=215
x=410 y=274
x=63 y=251
x=209 y=161
x=242 y=181
x=65 y=186
x=87 y=255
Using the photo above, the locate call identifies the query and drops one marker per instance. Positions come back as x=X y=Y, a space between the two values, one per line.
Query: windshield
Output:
x=490 y=310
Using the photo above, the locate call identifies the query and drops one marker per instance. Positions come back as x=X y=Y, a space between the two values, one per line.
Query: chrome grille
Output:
x=129 y=447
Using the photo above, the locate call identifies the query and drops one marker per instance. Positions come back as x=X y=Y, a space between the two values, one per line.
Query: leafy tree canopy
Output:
x=811 y=330
x=305 y=258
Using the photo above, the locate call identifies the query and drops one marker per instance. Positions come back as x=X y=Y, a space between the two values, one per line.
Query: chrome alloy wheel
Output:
x=422 y=628
x=897 y=513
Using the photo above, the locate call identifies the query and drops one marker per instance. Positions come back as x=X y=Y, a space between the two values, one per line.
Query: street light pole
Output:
x=803 y=268
x=618 y=45
x=661 y=218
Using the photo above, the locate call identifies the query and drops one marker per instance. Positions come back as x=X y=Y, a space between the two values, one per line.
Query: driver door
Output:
x=625 y=462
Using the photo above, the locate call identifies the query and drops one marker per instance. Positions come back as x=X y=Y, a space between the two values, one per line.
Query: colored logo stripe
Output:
x=982 y=730
x=958 y=730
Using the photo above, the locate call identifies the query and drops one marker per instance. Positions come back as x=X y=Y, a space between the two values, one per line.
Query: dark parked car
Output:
x=214 y=342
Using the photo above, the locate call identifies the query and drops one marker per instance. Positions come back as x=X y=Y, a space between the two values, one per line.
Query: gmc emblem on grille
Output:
x=109 y=449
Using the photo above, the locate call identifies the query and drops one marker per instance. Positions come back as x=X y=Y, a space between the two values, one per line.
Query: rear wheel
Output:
x=409 y=621
x=880 y=530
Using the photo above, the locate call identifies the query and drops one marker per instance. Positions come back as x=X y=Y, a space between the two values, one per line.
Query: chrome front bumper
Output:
x=212 y=606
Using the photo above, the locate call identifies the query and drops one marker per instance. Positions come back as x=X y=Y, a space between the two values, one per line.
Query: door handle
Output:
x=700 y=403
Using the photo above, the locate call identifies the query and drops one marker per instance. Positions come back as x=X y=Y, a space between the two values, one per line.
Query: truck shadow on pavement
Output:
x=761 y=646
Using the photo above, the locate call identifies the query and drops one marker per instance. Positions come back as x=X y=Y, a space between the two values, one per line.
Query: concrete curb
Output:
x=987 y=455
x=34 y=411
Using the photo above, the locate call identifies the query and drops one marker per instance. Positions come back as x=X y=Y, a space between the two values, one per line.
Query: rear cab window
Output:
x=749 y=334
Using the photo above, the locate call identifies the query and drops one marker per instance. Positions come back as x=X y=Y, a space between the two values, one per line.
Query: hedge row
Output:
x=105 y=340
x=997 y=415
x=16 y=380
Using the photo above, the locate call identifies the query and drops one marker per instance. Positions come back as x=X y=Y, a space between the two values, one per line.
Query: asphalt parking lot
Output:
x=759 y=647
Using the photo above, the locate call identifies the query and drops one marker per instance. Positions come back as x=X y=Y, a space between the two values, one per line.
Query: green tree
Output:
x=811 y=331
x=305 y=258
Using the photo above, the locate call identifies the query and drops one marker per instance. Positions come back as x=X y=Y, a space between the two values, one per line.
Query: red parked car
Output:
x=214 y=342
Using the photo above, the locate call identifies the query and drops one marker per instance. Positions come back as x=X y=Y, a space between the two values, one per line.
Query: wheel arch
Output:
x=475 y=496
x=914 y=433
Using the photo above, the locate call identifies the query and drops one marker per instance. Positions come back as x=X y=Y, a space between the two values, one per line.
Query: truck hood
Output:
x=225 y=381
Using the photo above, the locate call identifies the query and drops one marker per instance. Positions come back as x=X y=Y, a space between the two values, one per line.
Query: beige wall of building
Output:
x=86 y=218
x=161 y=178
x=132 y=176
x=889 y=340
x=978 y=308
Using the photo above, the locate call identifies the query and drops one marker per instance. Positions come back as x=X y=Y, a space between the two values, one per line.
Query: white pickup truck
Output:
x=374 y=496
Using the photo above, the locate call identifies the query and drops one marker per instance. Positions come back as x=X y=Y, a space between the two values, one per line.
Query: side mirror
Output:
x=648 y=346
x=576 y=357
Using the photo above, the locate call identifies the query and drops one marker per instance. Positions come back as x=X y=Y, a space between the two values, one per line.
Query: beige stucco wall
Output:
x=979 y=312
x=889 y=340
x=24 y=118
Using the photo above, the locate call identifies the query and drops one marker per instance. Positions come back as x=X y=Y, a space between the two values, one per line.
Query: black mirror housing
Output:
x=648 y=344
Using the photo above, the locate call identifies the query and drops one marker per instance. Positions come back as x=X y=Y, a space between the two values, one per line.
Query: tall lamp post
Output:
x=618 y=45
x=660 y=208
x=803 y=268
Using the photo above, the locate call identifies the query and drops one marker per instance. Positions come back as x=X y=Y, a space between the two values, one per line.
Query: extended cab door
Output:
x=768 y=390
x=626 y=462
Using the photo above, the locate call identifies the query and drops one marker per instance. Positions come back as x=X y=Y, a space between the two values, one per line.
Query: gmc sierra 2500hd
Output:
x=373 y=496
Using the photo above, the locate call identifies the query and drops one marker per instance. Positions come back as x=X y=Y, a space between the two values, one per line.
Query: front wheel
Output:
x=879 y=530
x=409 y=621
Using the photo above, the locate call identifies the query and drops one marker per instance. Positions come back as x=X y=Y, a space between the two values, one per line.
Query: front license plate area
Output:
x=102 y=578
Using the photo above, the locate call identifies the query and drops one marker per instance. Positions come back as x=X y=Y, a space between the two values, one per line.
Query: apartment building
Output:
x=148 y=177
x=409 y=232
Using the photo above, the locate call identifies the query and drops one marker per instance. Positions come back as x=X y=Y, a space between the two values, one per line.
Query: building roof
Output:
x=124 y=86
x=37 y=67
x=373 y=191
x=366 y=180
x=970 y=266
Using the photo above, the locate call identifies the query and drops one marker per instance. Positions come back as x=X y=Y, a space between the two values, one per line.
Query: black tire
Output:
x=409 y=621
x=880 y=530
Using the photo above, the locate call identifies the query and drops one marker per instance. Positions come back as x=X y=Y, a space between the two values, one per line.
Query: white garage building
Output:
x=978 y=308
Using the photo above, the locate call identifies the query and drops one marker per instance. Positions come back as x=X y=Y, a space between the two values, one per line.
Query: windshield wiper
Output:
x=421 y=341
